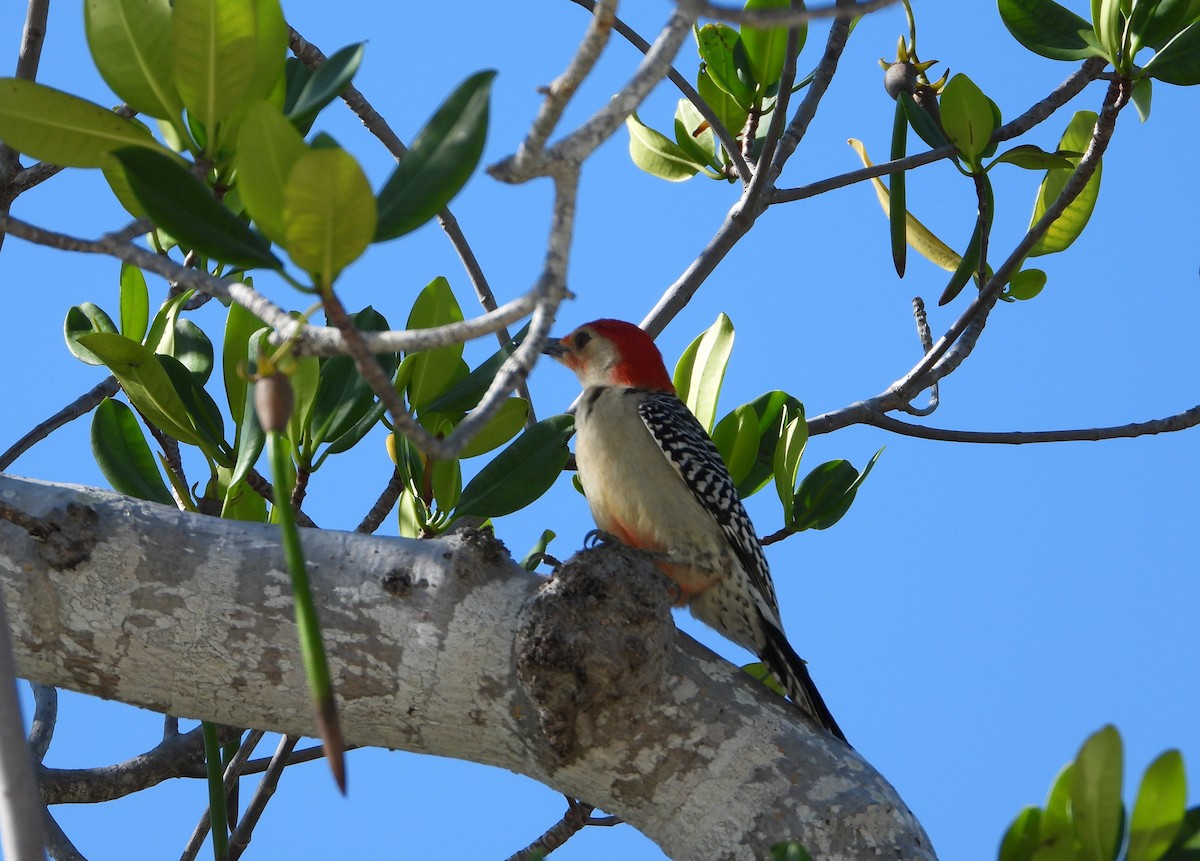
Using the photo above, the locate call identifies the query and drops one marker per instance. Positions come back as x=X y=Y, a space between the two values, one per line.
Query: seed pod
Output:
x=900 y=78
x=273 y=401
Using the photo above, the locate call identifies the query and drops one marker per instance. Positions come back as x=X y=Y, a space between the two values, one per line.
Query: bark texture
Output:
x=443 y=647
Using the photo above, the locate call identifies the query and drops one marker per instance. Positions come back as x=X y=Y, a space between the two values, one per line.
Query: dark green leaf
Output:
x=774 y=410
x=240 y=324
x=737 y=439
x=440 y=161
x=323 y=86
x=505 y=424
x=1166 y=19
x=343 y=396
x=967 y=267
x=791 y=851
x=179 y=203
x=521 y=473
x=83 y=320
x=1048 y=29
x=467 y=392
x=123 y=456
x=897 y=204
x=201 y=409
x=434 y=371
x=922 y=123
x=1143 y=94
x=1032 y=157
x=826 y=493
x=788 y=451
x=1186 y=845
x=1179 y=60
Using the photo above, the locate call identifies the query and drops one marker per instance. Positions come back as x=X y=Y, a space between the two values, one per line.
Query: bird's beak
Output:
x=554 y=348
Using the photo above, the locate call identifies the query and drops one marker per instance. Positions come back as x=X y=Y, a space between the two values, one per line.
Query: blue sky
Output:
x=979 y=611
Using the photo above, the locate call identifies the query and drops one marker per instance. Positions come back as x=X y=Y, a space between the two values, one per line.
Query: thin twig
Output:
x=58 y=845
x=81 y=406
x=1169 y=424
x=235 y=769
x=926 y=339
x=577 y=817
x=266 y=788
x=45 y=718
x=383 y=505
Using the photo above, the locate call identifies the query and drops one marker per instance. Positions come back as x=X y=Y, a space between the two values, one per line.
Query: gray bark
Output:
x=443 y=647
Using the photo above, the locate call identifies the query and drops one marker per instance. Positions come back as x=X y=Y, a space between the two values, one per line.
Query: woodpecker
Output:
x=655 y=480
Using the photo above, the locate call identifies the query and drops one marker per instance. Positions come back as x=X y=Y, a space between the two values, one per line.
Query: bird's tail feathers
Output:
x=793 y=674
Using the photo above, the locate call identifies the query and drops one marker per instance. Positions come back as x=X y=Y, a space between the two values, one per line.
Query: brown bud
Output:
x=273 y=401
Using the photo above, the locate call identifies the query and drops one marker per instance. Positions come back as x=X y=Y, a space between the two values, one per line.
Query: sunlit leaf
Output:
x=83 y=320
x=658 y=155
x=135 y=302
x=268 y=148
x=130 y=42
x=328 y=213
x=213 y=53
x=61 y=129
x=700 y=371
x=1159 y=809
x=1096 y=794
x=1066 y=229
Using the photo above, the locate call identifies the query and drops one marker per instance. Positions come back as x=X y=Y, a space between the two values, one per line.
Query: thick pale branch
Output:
x=444 y=647
x=766 y=17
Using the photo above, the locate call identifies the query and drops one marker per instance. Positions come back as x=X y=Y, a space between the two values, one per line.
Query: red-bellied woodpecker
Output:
x=655 y=481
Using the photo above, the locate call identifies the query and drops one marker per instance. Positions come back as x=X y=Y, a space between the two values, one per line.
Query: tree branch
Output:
x=444 y=647
x=1169 y=424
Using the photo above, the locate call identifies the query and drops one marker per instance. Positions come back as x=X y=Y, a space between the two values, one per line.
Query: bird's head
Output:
x=612 y=353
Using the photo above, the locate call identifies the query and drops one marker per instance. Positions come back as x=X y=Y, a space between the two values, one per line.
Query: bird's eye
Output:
x=581 y=339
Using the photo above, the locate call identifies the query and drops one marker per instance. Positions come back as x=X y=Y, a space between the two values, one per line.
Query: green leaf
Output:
x=701 y=370
x=130 y=41
x=193 y=349
x=1143 y=93
x=270 y=52
x=1159 y=809
x=725 y=61
x=179 y=203
x=1167 y=18
x=897 y=207
x=83 y=320
x=728 y=111
x=135 y=302
x=534 y=557
x=922 y=123
x=1021 y=839
x=145 y=383
x=521 y=473
x=657 y=154
x=161 y=336
x=1066 y=229
x=693 y=135
x=1186 y=845
x=1096 y=794
x=466 y=393
x=321 y=87
x=504 y=425
x=1048 y=29
x=923 y=241
x=268 y=147
x=202 y=410
x=788 y=451
x=343 y=396
x=434 y=370
x=826 y=493
x=791 y=850
x=213 y=51
x=55 y=127
x=767 y=49
x=967 y=118
x=240 y=324
x=1056 y=838
x=1026 y=284
x=1032 y=157
x=1179 y=60
x=968 y=266
x=774 y=410
x=1108 y=24
x=305 y=376
x=737 y=438
x=123 y=456
x=440 y=161
x=328 y=213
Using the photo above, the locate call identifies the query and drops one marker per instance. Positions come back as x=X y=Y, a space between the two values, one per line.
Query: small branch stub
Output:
x=594 y=646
